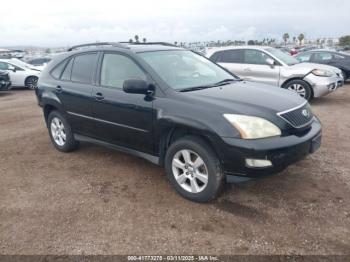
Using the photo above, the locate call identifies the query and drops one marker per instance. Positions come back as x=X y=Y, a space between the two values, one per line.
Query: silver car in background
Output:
x=272 y=66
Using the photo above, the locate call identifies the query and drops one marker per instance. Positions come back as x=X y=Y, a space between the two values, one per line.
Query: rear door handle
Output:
x=58 y=89
x=99 y=96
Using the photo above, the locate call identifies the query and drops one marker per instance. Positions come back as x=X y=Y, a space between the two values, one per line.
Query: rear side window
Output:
x=57 y=71
x=83 y=68
x=227 y=56
x=118 y=68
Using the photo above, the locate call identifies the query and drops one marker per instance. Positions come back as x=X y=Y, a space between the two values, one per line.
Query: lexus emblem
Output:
x=305 y=113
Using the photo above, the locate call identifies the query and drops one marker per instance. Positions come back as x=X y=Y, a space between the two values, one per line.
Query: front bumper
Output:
x=281 y=151
x=324 y=85
x=5 y=85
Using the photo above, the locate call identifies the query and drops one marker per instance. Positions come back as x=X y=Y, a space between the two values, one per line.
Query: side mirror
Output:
x=12 y=68
x=270 y=61
x=134 y=86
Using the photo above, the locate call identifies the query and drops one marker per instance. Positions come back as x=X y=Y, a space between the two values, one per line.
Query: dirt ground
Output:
x=99 y=201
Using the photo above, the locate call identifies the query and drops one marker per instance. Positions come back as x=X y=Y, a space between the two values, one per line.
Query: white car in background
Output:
x=21 y=73
x=271 y=66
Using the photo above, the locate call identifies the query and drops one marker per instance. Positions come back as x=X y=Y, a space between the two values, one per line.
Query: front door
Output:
x=121 y=118
x=256 y=69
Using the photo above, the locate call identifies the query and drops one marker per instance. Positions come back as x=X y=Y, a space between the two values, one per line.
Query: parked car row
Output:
x=272 y=66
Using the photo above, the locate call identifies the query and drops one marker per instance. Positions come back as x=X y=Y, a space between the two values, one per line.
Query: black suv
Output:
x=175 y=108
x=5 y=83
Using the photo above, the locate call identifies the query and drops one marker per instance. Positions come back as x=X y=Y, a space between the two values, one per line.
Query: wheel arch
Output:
x=284 y=84
x=171 y=134
x=27 y=77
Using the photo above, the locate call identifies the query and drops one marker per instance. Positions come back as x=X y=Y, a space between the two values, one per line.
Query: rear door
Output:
x=121 y=118
x=74 y=90
x=255 y=67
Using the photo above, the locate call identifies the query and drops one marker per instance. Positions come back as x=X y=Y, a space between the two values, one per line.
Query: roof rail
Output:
x=115 y=44
x=149 y=43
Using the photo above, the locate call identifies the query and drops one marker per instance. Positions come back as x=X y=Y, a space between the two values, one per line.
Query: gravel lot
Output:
x=99 y=201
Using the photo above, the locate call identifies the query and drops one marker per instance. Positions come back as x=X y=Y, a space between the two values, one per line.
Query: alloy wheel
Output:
x=58 y=131
x=190 y=171
x=299 y=89
x=32 y=82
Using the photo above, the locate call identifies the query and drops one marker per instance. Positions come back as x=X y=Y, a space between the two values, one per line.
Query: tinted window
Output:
x=83 y=68
x=67 y=71
x=118 y=68
x=229 y=56
x=56 y=72
x=255 y=57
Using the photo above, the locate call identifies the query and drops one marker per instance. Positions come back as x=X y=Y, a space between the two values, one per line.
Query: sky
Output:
x=54 y=23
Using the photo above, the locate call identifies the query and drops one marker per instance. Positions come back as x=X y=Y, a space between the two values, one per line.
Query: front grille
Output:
x=299 y=116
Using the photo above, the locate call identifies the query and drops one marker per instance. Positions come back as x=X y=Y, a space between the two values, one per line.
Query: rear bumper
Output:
x=281 y=151
x=324 y=85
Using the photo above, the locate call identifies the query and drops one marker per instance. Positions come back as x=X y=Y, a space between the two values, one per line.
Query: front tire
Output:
x=194 y=170
x=301 y=87
x=61 y=133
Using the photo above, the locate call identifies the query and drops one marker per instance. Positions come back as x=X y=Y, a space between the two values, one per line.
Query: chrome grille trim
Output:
x=296 y=119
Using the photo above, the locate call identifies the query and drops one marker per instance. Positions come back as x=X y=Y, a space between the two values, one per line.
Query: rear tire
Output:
x=193 y=169
x=60 y=132
x=301 y=87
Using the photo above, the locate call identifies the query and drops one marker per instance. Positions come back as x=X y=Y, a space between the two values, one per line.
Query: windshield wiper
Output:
x=225 y=81
x=220 y=83
x=195 y=88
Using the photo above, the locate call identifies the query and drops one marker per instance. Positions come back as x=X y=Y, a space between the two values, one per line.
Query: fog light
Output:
x=258 y=162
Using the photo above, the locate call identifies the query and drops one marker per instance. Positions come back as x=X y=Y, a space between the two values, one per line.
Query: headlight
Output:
x=252 y=127
x=321 y=72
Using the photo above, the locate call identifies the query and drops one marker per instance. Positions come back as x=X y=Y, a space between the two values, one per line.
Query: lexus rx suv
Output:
x=177 y=109
x=271 y=66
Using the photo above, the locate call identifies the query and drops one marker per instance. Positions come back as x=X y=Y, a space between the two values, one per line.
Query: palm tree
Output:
x=301 y=38
x=294 y=39
x=137 y=38
x=285 y=38
x=144 y=40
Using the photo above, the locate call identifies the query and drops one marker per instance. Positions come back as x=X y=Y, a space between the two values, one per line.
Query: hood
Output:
x=244 y=97
x=308 y=67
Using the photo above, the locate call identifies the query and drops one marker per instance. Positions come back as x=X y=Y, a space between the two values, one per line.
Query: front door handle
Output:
x=247 y=69
x=99 y=96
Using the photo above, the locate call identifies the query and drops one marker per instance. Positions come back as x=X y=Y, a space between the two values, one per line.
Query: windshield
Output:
x=182 y=69
x=285 y=58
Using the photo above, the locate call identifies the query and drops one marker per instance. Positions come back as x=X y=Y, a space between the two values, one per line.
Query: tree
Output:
x=175 y=43
x=301 y=38
x=144 y=40
x=130 y=41
x=136 y=38
x=251 y=42
x=344 y=40
x=294 y=39
x=285 y=38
